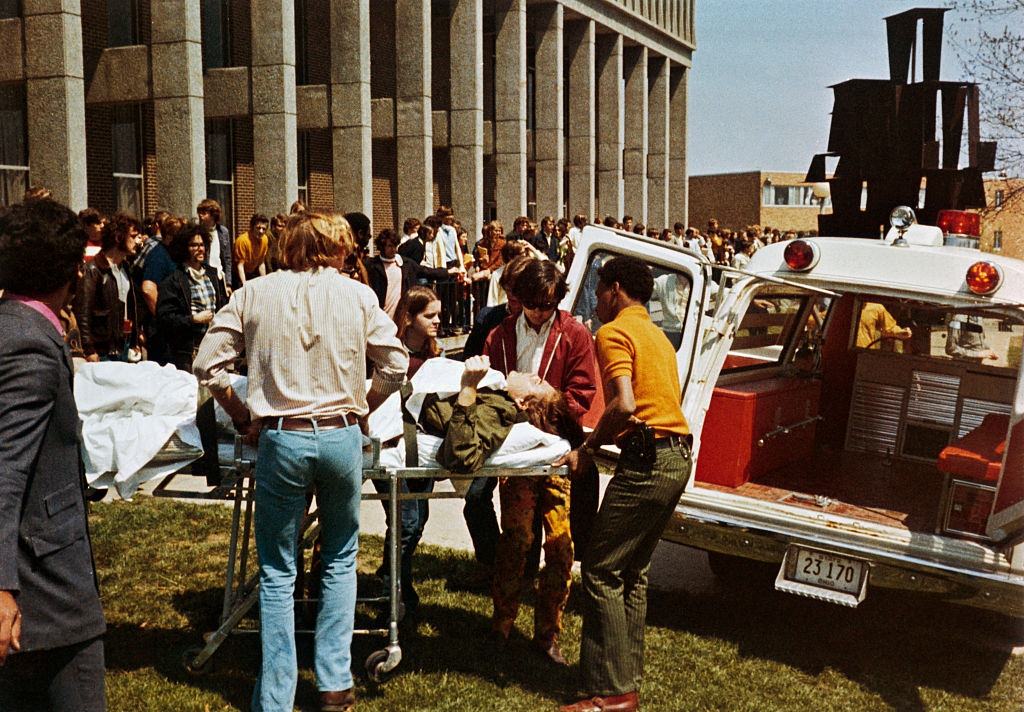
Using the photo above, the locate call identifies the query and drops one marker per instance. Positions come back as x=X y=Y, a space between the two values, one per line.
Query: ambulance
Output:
x=857 y=408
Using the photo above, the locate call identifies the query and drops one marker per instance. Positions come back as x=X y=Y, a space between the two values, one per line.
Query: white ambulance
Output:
x=857 y=409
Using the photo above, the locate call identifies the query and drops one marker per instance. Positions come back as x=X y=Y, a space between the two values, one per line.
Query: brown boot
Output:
x=628 y=702
x=337 y=701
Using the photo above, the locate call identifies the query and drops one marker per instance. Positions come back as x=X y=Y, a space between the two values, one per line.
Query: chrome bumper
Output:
x=995 y=591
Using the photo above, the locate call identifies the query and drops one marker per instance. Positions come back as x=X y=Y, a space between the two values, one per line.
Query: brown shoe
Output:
x=339 y=701
x=628 y=702
x=550 y=651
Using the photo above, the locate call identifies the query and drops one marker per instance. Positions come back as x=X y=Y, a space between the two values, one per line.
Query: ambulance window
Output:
x=668 y=306
x=979 y=336
x=768 y=327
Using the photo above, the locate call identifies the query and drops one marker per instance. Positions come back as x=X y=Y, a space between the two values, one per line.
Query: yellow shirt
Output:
x=875 y=322
x=631 y=345
x=250 y=255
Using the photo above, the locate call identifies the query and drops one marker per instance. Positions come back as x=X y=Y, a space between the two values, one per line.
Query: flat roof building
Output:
x=776 y=198
x=392 y=107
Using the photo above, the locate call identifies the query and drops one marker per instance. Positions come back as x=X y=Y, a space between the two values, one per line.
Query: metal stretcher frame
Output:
x=241 y=589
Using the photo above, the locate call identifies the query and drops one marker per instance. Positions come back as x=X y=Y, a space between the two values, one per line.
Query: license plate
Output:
x=822 y=575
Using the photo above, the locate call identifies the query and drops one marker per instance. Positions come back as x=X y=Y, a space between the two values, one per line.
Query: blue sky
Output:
x=759 y=96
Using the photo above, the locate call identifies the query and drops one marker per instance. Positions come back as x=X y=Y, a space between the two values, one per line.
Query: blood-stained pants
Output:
x=520 y=498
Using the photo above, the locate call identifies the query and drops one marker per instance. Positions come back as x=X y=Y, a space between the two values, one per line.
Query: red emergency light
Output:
x=800 y=255
x=983 y=278
x=959 y=222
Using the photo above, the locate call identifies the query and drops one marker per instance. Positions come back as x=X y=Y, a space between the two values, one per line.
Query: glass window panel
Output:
x=301 y=39
x=124 y=139
x=13 y=148
x=122 y=23
x=768 y=327
x=9 y=9
x=128 y=195
x=216 y=34
x=218 y=150
x=223 y=193
x=13 y=184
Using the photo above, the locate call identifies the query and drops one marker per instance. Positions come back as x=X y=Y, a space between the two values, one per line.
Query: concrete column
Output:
x=414 y=129
x=579 y=40
x=678 y=190
x=466 y=125
x=177 y=66
x=274 y=137
x=658 y=124
x=510 y=109
x=55 y=98
x=351 y=135
x=549 y=151
x=609 y=124
x=634 y=158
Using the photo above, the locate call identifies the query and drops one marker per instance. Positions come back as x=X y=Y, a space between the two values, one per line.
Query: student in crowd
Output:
x=220 y=254
x=251 y=250
x=93 y=221
x=390 y=276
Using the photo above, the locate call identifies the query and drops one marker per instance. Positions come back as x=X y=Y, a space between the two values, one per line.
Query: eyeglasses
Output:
x=539 y=306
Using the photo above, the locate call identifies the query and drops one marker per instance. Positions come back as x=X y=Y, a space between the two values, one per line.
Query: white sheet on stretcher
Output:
x=138 y=422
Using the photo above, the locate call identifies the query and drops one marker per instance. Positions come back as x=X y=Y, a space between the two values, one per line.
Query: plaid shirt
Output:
x=204 y=295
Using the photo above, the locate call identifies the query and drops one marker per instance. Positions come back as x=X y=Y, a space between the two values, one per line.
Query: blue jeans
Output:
x=288 y=464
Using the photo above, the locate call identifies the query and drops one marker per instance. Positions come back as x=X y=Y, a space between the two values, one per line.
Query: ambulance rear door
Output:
x=1006 y=524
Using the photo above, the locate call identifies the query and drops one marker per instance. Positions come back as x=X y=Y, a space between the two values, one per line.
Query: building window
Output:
x=216 y=33
x=13 y=144
x=126 y=148
x=9 y=9
x=999 y=197
x=122 y=22
x=788 y=195
x=220 y=165
x=997 y=241
x=301 y=40
x=303 y=172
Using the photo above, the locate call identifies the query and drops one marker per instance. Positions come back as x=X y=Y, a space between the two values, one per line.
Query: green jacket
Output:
x=470 y=434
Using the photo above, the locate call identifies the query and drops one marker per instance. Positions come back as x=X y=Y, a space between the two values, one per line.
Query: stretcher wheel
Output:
x=188 y=662
x=377 y=665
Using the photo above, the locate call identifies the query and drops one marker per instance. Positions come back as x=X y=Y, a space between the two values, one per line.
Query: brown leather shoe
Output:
x=550 y=651
x=339 y=701
x=628 y=702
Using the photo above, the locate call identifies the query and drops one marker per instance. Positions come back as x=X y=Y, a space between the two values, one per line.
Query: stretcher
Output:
x=241 y=587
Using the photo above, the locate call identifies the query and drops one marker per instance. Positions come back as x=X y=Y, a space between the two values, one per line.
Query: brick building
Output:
x=497 y=107
x=1002 y=222
x=774 y=198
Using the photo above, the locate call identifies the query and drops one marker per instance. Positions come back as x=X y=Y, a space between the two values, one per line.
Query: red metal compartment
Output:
x=744 y=413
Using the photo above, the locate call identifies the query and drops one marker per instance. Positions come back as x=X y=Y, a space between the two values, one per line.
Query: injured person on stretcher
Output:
x=520 y=421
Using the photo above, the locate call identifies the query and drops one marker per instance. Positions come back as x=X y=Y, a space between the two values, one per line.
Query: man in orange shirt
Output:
x=251 y=250
x=643 y=417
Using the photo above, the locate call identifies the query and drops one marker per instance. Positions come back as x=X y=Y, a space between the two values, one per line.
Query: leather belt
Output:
x=673 y=441
x=306 y=423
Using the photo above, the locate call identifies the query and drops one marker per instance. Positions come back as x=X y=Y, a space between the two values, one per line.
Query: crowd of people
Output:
x=311 y=305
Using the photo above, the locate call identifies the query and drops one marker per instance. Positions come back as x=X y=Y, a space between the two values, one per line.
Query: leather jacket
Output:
x=100 y=312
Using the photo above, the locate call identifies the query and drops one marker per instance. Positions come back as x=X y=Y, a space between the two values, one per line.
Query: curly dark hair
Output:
x=178 y=247
x=42 y=245
x=632 y=274
x=540 y=279
x=115 y=232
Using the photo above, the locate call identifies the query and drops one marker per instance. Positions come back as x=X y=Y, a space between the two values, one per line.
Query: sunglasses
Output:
x=541 y=306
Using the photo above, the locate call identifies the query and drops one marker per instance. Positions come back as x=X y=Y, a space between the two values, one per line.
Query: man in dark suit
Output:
x=51 y=623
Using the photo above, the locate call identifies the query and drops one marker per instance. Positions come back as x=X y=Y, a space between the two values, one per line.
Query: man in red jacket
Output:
x=548 y=342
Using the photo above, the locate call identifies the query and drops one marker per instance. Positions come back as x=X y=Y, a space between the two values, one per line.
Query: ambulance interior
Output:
x=884 y=410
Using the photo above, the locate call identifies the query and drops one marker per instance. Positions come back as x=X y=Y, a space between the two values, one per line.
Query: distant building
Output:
x=498 y=108
x=774 y=198
x=1002 y=222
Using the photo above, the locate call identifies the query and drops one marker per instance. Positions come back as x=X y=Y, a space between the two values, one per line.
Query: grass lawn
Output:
x=161 y=566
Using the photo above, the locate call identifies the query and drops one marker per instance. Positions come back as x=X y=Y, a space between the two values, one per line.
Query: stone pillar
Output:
x=274 y=135
x=177 y=66
x=609 y=125
x=414 y=129
x=634 y=158
x=466 y=124
x=579 y=39
x=548 y=148
x=678 y=190
x=658 y=124
x=510 y=109
x=55 y=98
x=351 y=135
